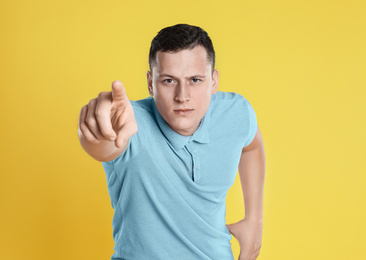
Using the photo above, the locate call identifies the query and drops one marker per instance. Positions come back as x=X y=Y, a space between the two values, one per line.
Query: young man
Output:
x=171 y=158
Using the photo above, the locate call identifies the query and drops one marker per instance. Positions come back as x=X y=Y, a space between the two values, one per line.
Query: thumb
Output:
x=118 y=91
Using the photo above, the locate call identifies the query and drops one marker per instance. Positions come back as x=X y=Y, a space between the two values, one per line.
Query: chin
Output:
x=184 y=129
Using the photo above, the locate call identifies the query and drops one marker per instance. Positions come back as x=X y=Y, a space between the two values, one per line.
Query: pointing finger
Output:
x=118 y=91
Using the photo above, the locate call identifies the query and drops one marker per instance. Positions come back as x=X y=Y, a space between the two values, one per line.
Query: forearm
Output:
x=248 y=231
x=252 y=173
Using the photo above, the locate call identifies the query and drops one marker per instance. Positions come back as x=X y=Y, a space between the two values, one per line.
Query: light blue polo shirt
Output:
x=168 y=190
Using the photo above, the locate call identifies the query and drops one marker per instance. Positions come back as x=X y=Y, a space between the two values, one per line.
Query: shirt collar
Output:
x=178 y=141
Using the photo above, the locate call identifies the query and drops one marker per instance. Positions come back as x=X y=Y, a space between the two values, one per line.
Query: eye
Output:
x=195 y=80
x=168 y=81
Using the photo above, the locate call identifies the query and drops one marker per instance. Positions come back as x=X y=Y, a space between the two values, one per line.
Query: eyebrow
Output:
x=190 y=77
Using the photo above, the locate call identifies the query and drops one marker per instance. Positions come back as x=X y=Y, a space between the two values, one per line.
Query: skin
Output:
x=182 y=84
x=248 y=231
x=106 y=123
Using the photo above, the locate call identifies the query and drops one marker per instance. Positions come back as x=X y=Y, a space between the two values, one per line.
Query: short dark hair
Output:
x=180 y=37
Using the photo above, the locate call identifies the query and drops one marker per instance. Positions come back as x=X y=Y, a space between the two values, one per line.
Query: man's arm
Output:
x=248 y=231
x=252 y=172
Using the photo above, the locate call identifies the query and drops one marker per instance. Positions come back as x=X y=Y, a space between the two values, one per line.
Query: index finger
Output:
x=118 y=91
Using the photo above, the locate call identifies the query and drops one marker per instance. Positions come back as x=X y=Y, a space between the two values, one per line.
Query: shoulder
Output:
x=230 y=103
x=232 y=113
x=142 y=105
x=227 y=96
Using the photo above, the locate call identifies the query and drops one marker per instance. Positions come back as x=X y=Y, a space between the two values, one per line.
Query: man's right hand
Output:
x=106 y=123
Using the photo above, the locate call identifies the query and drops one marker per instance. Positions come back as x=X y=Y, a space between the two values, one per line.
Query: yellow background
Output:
x=301 y=64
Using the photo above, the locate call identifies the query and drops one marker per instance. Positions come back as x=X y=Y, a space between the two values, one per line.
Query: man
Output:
x=171 y=158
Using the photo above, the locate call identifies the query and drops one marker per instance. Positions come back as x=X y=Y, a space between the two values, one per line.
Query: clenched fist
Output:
x=106 y=123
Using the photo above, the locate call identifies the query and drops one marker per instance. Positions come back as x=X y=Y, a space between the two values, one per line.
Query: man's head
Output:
x=180 y=37
x=182 y=77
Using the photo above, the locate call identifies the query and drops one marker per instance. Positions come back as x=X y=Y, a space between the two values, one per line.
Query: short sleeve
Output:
x=252 y=128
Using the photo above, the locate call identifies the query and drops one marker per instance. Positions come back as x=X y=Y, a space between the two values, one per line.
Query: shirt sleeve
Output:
x=252 y=128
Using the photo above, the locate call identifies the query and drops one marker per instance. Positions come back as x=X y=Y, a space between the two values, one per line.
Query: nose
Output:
x=182 y=93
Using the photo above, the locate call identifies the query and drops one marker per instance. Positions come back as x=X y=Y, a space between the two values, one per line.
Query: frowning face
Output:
x=182 y=84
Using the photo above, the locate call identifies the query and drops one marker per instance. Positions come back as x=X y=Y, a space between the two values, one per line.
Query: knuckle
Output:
x=99 y=114
x=102 y=95
x=92 y=102
x=90 y=121
x=87 y=134
x=83 y=111
x=82 y=128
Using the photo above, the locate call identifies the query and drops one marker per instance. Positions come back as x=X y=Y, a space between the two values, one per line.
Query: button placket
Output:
x=195 y=162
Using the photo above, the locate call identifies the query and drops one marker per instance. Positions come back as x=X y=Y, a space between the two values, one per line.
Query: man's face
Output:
x=182 y=84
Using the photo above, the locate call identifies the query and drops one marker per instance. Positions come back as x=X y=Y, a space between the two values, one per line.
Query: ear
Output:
x=215 y=81
x=149 y=83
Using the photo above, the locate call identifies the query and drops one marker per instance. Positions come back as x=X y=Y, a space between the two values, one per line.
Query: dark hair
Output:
x=180 y=37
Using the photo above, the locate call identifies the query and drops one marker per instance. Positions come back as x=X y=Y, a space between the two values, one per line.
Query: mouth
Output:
x=183 y=112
